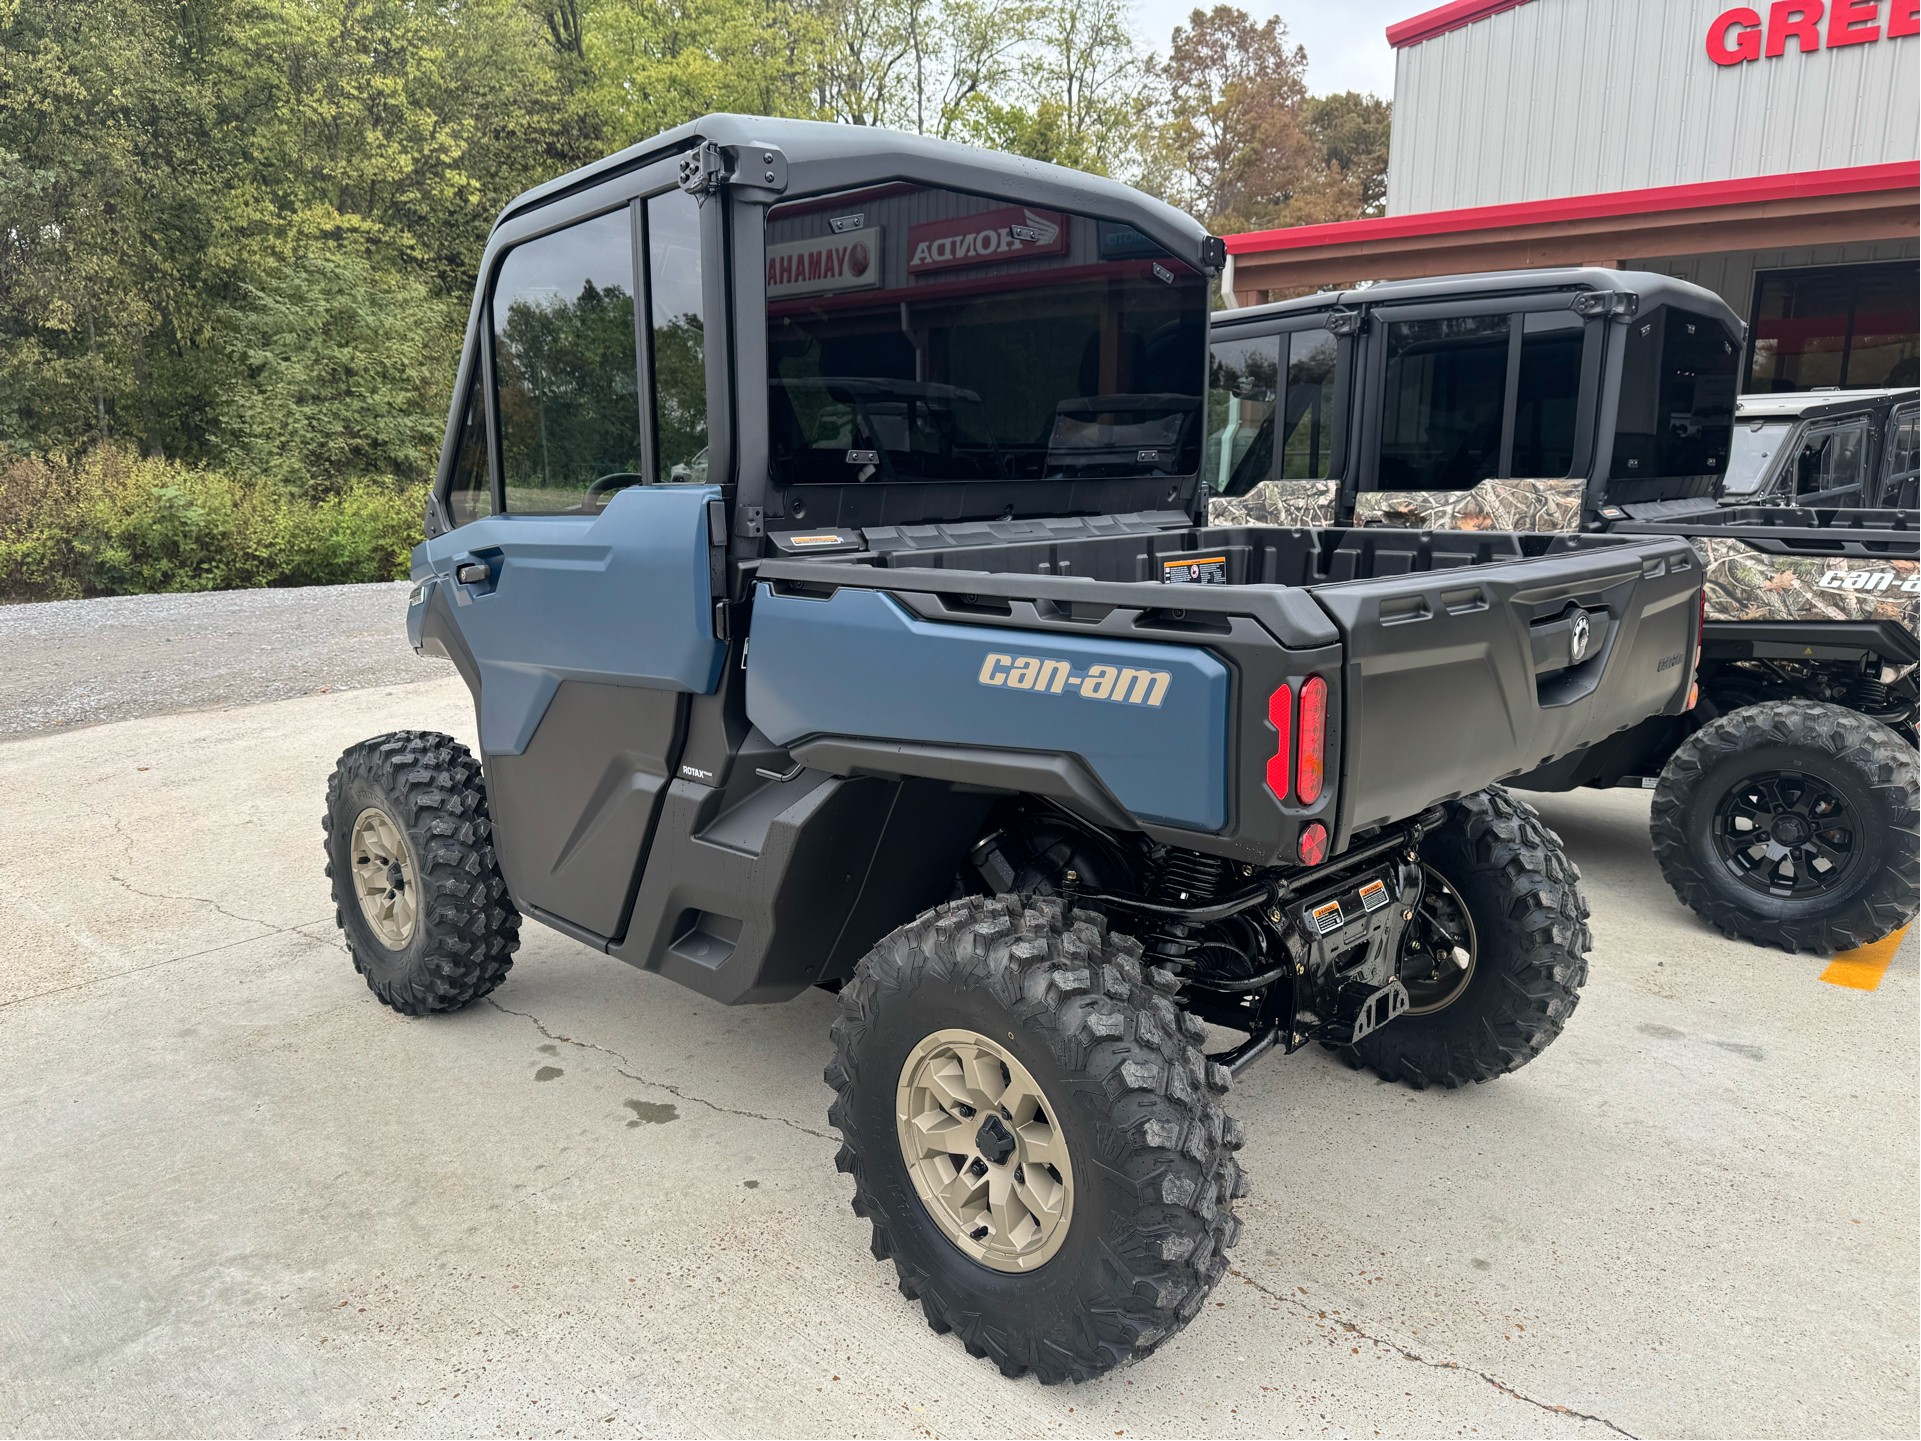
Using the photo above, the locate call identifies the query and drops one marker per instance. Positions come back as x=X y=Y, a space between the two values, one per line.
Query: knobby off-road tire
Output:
x=1139 y=1117
x=1529 y=952
x=1743 y=765
x=456 y=940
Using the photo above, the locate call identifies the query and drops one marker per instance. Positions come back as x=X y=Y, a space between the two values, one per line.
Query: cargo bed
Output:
x=1470 y=635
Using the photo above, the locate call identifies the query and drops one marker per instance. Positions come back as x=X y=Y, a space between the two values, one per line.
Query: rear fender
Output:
x=1150 y=721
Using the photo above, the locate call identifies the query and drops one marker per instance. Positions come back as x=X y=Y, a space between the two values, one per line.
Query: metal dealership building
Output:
x=1767 y=152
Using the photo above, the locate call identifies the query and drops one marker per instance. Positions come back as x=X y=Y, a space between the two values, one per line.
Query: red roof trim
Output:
x=1853 y=180
x=1444 y=18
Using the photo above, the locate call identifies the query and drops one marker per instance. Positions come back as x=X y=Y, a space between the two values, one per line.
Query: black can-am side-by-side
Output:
x=1786 y=803
x=821 y=531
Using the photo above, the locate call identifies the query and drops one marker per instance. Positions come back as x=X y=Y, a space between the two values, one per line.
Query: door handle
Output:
x=474 y=573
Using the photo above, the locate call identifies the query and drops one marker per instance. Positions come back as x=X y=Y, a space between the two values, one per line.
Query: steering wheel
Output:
x=620 y=480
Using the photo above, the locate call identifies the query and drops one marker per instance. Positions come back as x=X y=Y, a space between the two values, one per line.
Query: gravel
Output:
x=86 y=662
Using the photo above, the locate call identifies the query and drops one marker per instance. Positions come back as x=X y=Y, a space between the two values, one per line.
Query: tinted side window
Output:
x=1308 y=422
x=470 y=492
x=564 y=367
x=679 y=336
x=1831 y=458
x=1446 y=386
x=1676 y=416
x=1903 y=453
x=1546 y=400
x=1242 y=379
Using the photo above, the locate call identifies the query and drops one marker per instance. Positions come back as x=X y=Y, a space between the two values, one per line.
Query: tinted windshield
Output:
x=964 y=338
x=1756 y=443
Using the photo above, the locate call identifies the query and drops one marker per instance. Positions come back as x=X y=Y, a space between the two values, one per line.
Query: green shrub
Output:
x=108 y=522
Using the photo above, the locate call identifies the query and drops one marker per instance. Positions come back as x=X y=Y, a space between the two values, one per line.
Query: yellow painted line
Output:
x=1862 y=970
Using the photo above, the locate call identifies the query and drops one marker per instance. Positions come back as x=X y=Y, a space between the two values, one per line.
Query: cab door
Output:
x=1900 y=459
x=578 y=580
x=1830 y=462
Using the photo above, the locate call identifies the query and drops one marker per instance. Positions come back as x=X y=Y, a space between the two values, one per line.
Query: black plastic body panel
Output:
x=1063 y=778
x=756 y=901
x=1442 y=697
x=1793 y=530
x=1640 y=750
x=573 y=813
x=1892 y=641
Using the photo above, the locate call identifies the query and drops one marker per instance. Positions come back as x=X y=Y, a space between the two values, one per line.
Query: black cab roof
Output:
x=793 y=158
x=1647 y=288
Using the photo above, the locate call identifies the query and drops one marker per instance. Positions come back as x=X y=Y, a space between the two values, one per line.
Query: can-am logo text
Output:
x=1870 y=580
x=1128 y=684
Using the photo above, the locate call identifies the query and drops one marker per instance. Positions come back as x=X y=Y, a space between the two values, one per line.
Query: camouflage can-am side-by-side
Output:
x=1784 y=805
x=821 y=529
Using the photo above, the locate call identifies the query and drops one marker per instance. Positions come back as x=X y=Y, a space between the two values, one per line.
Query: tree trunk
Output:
x=143 y=378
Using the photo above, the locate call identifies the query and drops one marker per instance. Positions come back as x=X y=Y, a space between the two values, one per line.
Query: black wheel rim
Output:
x=1786 y=834
x=1438 y=947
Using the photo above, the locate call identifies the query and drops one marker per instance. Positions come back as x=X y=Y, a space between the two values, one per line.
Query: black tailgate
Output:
x=1459 y=678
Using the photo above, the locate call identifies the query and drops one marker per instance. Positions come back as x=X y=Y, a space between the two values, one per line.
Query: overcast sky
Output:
x=1346 y=49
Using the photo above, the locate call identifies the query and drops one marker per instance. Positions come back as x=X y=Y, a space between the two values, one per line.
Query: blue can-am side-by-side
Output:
x=822 y=530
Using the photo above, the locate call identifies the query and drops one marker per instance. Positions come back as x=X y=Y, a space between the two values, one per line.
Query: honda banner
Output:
x=1014 y=232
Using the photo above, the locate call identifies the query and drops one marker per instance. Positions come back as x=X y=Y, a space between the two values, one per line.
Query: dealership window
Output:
x=921 y=334
x=1676 y=416
x=565 y=382
x=1273 y=394
x=1442 y=401
x=1309 y=418
x=1243 y=382
x=1839 y=326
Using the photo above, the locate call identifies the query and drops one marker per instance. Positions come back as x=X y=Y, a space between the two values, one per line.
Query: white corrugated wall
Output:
x=1580 y=97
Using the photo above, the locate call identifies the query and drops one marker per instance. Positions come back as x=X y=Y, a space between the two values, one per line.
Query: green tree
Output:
x=1234 y=92
x=1352 y=130
x=655 y=64
x=344 y=374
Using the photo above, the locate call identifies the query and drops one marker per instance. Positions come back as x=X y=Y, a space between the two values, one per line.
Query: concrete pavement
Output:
x=241 y=1198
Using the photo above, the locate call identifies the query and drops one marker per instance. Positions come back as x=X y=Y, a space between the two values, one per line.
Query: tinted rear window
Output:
x=918 y=334
x=1444 y=391
x=1676 y=416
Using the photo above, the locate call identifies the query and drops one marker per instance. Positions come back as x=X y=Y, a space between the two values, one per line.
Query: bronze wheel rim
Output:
x=980 y=1142
x=383 y=870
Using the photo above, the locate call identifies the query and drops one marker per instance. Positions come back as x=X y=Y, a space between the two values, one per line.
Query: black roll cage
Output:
x=1605 y=300
x=739 y=167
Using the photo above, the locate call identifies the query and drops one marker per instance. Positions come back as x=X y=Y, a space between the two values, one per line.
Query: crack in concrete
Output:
x=1305 y=1309
x=169 y=961
x=131 y=846
x=666 y=1086
x=199 y=900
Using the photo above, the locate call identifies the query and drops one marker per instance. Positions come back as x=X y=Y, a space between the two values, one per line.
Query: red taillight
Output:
x=1280 y=713
x=1313 y=843
x=1313 y=740
x=1694 y=662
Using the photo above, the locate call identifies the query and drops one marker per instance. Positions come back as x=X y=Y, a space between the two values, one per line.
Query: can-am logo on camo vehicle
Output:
x=1870 y=580
x=1127 y=684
